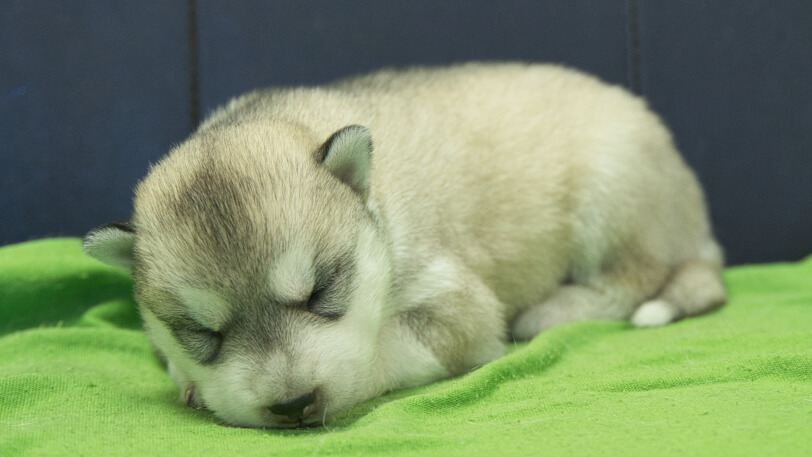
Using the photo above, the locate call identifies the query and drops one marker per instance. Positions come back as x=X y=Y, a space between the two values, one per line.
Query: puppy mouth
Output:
x=308 y=419
x=301 y=424
x=301 y=412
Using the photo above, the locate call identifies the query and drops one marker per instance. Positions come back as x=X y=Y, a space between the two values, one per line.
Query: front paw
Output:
x=529 y=323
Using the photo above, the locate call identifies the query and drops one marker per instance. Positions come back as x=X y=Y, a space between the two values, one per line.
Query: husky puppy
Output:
x=307 y=249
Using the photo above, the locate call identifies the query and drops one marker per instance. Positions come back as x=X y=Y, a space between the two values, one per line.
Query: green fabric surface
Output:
x=77 y=377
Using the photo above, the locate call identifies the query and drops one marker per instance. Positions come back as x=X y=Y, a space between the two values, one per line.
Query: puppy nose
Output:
x=294 y=409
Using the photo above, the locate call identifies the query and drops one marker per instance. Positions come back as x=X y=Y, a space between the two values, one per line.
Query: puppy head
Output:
x=260 y=271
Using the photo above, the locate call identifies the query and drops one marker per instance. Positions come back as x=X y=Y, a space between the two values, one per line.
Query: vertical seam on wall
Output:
x=194 y=73
x=633 y=46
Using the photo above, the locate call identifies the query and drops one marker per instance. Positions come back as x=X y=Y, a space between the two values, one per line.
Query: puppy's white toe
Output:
x=654 y=313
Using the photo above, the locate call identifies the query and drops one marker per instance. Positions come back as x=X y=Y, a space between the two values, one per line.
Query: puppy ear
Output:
x=348 y=156
x=112 y=244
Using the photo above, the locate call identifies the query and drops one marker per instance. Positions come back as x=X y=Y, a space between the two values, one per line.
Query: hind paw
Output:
x=654 y=313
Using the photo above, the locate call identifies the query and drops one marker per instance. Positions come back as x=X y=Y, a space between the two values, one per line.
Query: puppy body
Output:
x=287 y=269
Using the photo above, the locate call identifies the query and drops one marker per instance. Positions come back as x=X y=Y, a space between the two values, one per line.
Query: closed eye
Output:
x=320 y=304
x=314 y=298
x=323 y=300
x=329 y=296
x=201 y=343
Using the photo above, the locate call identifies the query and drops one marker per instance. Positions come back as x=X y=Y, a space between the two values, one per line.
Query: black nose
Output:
x=294 y=409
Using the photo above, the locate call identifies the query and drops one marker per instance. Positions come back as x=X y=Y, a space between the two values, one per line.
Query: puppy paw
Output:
x=528 y=324
x=654 y=313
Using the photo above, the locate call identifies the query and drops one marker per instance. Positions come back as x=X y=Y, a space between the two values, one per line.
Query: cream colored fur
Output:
x=502 y=199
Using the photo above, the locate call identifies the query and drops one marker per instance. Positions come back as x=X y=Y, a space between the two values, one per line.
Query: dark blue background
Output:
x=91 y=92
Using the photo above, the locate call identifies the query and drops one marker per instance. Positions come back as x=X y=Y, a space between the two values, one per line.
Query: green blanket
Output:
x=77 y=377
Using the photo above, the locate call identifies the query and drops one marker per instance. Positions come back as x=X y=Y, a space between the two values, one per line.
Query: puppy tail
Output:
x=694 y=288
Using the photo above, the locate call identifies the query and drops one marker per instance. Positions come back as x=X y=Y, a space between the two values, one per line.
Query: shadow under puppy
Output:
x=307 y=249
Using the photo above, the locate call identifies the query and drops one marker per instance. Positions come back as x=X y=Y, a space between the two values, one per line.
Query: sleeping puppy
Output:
x=307 y=249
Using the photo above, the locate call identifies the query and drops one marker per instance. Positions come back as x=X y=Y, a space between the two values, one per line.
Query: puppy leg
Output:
x=456 y=316
x=569 y=303
x=695 y=287
x=612 y=294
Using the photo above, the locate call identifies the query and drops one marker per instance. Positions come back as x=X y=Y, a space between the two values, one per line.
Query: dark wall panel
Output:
x=90 y=92
x=248 y=44
x=734 y=80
